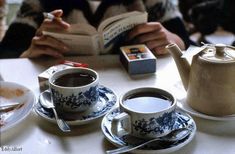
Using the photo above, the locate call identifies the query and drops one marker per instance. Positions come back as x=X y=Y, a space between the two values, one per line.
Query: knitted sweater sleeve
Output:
x=22 y=29
x=177 y=27
x=166 y=12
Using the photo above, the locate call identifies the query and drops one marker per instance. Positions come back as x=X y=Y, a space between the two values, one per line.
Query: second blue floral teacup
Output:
x=74 y=89
x=146 y=113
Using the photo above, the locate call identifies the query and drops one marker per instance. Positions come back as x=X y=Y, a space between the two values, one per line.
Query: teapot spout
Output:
x=181 y=63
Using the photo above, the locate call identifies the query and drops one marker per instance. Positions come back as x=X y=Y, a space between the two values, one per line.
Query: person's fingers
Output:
x=55 y=24
x=154 y=35
x=159 y=50
x=144 y=28
x=45 y=50
x=40 y=47
x=156 y=43
x=50 y=42
x=36 y=51
x=155 y=40
x=57 y=13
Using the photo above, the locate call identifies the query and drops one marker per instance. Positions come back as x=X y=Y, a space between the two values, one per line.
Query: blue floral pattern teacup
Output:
x=74 y=98
x=146 y=113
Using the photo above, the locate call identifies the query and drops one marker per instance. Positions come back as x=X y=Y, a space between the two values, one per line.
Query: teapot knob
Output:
x=220 y=49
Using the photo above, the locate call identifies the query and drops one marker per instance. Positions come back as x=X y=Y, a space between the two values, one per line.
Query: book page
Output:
x=78 y=28
x=78 y=44
x=113 y=19
x=112 y=32
x=82 y=28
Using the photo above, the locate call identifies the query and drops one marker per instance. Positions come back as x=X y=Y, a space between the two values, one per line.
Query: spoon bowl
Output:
x=46 y=102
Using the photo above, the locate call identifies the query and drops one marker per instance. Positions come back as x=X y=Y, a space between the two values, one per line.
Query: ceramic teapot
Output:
x=210 y=78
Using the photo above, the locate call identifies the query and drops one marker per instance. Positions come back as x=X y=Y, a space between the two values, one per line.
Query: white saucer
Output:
x=184 y=106
x=13 y=92
x=107 y=100
x=183 y=120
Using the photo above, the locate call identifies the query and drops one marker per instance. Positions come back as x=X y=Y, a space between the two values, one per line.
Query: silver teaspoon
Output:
x=175 y=135
x=46 y=102
x=9 y=106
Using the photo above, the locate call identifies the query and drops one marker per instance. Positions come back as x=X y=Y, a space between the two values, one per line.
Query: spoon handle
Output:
x=130 y=147
x=181 y=134
x=61 y=123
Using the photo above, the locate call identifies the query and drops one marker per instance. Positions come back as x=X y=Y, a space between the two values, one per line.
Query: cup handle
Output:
x=125 y=121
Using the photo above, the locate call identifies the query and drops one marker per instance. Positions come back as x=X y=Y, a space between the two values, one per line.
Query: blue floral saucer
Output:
x=107 y=100
x=183 y=120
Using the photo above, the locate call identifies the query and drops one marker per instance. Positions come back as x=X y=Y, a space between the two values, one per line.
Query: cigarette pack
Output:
x=44 y=76
x=138 y=59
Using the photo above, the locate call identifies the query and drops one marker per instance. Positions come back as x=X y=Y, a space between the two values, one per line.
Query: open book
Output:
x=84 y=39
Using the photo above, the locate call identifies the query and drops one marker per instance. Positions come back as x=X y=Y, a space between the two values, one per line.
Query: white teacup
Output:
x=74 y=89
x=146 y=113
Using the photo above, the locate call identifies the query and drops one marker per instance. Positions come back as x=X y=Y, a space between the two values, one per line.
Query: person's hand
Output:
x=46 y=45
x=155 y=37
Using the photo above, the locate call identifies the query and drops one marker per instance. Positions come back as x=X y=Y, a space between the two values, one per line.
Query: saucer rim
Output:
x=181 y=103
x=160 y=151
x=77 y=122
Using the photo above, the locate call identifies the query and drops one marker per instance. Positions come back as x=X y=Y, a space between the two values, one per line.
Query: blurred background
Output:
x=208 y=21
x=8 y=9
x=13 y=6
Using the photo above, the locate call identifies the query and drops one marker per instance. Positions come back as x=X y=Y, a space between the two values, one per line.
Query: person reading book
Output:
x=25 y=37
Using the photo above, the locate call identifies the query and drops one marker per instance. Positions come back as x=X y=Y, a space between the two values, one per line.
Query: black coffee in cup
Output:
x=76 y=79
x=147 y=102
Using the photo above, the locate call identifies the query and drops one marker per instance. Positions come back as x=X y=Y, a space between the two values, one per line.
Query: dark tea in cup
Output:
x=74 y=79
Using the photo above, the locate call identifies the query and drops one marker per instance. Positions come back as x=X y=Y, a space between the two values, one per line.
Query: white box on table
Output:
x=44 y=76
x=138 y=59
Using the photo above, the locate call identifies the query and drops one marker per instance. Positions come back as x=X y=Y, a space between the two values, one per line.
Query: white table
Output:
x=37 y=136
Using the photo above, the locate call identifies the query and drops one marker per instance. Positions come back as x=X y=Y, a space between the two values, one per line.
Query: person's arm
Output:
x=164 y=26
x=155 y=36
x=177 y=27
x=16 y=40
x=47 y=45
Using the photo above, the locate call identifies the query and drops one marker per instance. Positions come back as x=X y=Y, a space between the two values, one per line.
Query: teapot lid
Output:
x=219 y=53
